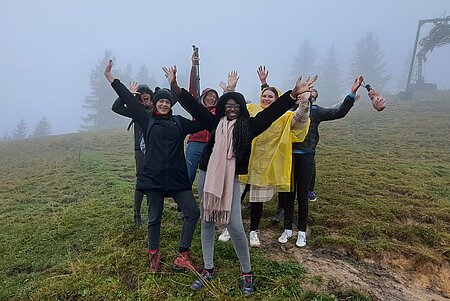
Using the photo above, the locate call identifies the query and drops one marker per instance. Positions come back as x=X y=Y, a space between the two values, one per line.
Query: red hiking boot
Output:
x=183 y=262
x=155 y=263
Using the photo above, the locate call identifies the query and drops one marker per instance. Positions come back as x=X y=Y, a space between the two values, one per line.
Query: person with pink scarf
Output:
x=224 y=157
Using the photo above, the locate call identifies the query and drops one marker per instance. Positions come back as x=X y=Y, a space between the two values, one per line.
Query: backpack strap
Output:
x=143 y=143
x=131 y=123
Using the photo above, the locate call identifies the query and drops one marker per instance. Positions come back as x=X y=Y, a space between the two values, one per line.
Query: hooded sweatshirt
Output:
x=202 y=136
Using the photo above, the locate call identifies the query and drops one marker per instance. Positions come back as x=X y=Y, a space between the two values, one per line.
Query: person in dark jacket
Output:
x=225 y=156
x=304 y=163
x=144 y=96
x=164 y=172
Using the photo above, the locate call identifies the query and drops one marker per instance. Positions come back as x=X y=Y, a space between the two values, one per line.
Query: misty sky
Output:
x=49 y=47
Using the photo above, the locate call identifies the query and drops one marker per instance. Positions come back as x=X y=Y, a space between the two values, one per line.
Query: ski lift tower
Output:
x=438 y=36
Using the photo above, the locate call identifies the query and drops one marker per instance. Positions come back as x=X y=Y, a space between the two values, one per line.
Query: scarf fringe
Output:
x=214 y=212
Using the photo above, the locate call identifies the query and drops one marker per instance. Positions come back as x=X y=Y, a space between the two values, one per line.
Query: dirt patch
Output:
x=386 y=279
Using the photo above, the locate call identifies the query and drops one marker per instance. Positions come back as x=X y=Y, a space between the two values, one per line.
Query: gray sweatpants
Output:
x=235 y=228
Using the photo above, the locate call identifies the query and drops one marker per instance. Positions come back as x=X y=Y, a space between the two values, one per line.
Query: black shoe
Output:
x=278 y=216
x=247 y=285
x=202 y=279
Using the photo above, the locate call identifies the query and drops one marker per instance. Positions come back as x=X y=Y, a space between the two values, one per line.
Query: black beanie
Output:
x=145 y=89
x=163 y=93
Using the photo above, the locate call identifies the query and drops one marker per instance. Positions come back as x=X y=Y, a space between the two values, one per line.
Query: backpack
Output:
x=143 y=142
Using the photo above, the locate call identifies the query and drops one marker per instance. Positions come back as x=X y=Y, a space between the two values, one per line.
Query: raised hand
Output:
x=233 y=79
x=195 y=59
x=133 y=87
x=378 y=102
x=262 y=74
x=357 y=83
x=108 y=73
x=223 y=85
x=171 y=74
x=302 y=87
x=303 y=100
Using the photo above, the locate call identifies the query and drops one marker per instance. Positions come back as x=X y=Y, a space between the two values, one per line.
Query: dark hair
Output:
x=273 y=89
x=241 y=127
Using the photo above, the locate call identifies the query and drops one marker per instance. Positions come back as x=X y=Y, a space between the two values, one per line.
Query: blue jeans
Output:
x=193 y=153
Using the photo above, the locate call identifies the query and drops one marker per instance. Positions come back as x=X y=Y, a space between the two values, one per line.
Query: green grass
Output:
x=66 y=228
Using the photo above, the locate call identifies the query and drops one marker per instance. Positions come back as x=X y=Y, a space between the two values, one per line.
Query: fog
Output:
x=49 y=47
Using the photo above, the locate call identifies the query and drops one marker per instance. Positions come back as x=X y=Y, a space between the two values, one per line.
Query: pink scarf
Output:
x=219 y=182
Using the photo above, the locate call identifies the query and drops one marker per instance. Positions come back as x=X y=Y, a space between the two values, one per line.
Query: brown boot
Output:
x=155 y=263
x=183 y=262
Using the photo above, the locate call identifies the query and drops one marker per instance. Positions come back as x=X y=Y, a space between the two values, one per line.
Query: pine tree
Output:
x=99 y=102
x=304 y=64
x=368 y=60
x=305 y=61
x=127 y=76
x=144 y=77
x=20 y=132
x=42 y=128
x=330 y=84
x=6 y=136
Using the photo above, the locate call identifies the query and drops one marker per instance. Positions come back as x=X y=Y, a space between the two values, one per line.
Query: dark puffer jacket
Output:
x=317 y=115
x=257 y=124
x=164 y=164
x=120 y=108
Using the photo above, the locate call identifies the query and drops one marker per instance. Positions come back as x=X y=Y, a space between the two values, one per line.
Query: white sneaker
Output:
x=301 y=239
x=225 y=236
x=254 y=239
x=285 y=236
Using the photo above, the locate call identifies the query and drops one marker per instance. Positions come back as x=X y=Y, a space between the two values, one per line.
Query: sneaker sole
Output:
x=183 y=269
x=312 y=200
x=284 y=242
x=223 y=240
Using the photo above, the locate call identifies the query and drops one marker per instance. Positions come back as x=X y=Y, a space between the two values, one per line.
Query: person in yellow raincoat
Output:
x=271 y=157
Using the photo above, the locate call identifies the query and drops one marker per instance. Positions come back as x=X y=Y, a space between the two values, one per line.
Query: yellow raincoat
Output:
x=271 y=158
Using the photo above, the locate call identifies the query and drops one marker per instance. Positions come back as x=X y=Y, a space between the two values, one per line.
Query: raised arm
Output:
x=263 y=74
x=193 y=83
x=232 y=81
x=137 y=112
x=187 y=101
x=264 y=119
x=341 y=109
x=119 y=106
x=301 y=114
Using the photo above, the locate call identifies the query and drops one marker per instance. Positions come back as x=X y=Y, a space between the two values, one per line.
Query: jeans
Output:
x=193 y=153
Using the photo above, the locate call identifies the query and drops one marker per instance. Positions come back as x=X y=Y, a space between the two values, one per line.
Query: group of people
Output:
x=269 y=146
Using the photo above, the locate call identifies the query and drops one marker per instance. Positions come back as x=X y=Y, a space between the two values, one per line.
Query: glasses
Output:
x=235 y=106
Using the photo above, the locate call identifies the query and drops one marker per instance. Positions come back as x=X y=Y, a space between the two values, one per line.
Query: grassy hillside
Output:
x=66 y=229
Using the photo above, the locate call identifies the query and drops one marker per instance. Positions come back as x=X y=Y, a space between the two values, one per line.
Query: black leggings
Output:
x=256 y=211
x=312 y=183
x=303 y=166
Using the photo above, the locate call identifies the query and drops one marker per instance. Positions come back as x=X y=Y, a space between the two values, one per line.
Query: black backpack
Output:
x=144 y=137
